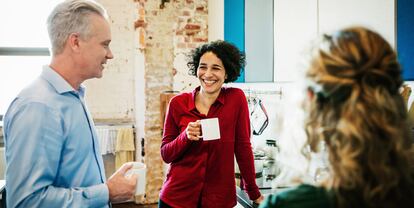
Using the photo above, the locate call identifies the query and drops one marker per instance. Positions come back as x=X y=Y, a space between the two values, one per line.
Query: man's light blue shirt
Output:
x=52 y=151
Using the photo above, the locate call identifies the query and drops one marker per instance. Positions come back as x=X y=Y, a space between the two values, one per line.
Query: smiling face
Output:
x=211 y=73
x=95 y=49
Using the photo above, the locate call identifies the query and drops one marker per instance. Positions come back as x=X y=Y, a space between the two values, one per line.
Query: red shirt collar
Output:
x=220 y=98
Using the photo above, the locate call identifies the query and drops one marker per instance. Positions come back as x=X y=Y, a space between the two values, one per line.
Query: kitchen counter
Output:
x=243 y=198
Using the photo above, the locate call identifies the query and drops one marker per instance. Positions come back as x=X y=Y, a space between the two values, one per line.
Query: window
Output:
x=23 y=45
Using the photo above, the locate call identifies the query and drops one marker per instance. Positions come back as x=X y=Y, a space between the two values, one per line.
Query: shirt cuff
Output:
x=184 y=138
x=98 y=195
x=254 y=194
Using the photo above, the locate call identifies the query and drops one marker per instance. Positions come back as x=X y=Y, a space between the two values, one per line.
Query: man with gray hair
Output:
x=52 y=153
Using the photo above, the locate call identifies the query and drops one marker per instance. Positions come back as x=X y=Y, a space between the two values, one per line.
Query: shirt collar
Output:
x=60 y=84
x=220 y=98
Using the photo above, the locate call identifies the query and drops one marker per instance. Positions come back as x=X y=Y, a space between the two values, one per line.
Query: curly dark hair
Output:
x=233 y=59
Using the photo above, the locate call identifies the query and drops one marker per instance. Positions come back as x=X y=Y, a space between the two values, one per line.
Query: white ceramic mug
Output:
x=210 y=129
x=139 y=169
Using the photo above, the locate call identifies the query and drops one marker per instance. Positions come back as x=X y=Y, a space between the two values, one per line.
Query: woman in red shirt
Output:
x=201 y=172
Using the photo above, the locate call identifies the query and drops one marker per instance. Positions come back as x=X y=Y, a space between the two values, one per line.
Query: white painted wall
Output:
x=378 y=15
x=215 y=20
x=113 y=96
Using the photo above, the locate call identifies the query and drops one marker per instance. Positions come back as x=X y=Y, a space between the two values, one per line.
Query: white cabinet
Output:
x=295 y=26
x=377 y=15
x=298 y=22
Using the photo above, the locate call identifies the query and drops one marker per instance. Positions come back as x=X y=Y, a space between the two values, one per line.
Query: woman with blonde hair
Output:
x=355 y=109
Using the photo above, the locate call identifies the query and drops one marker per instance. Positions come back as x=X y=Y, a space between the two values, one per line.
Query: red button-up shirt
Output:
x=202 y=172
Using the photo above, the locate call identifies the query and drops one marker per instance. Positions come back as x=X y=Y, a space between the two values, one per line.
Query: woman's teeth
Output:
x=209 y=81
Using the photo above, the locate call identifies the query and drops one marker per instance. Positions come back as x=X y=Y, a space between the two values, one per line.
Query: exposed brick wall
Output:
x=170 y=31
x=190 y=31
x=159 y=57
x=163 y=36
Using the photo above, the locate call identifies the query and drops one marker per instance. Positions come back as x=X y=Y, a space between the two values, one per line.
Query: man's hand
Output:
x=121 y=187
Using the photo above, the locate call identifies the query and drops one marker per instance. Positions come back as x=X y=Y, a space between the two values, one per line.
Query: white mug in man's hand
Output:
x=140 y=170
x=210 y=129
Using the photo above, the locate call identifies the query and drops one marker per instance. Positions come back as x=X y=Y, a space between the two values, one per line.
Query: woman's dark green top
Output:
x=302 y=196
